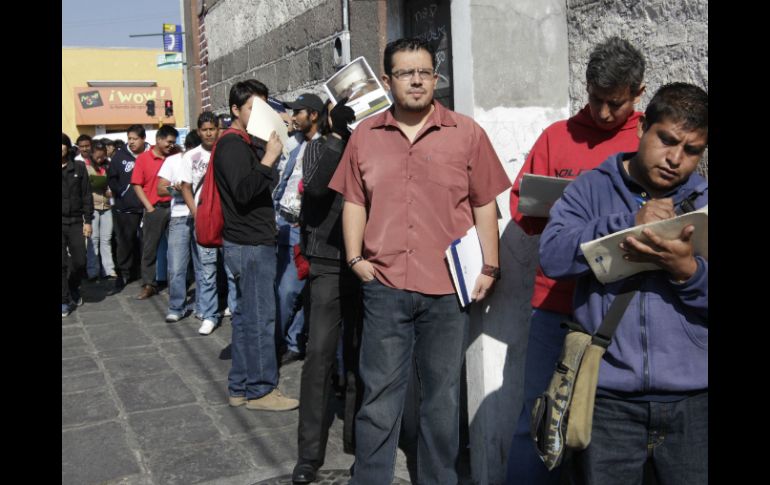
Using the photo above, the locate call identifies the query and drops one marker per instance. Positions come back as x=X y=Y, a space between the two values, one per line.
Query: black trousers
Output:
x=73 y=262
x=126 y=226
x=155 y=224
x=335 y=297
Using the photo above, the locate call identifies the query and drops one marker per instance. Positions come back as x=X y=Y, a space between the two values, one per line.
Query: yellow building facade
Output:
x=105 y=90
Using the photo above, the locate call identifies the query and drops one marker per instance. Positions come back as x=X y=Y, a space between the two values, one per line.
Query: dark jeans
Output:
x=126 y=226
x=546 y=339
x=74 y=264
x=335 y=305
x=254 y=370
x=625 y=434
x=402 y=327
x=154 y=225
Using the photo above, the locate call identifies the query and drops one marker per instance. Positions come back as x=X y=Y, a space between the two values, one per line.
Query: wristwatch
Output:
x=492 y=271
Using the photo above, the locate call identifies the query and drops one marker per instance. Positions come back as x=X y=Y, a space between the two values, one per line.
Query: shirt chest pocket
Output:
x=447 y=169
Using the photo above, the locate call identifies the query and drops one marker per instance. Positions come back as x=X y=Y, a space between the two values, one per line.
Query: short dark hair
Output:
x=166 y=131
x=207 y=117
x=192 y=140
x=406 y=44
x=679 y=103
x=108 y=142
x=82 y=138
x=98 y=145
x=242 y=91
x=138 y=130
x=119 y=144
x=615 y=63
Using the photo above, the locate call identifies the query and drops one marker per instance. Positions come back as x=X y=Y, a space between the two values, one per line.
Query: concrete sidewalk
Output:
x=145 y=402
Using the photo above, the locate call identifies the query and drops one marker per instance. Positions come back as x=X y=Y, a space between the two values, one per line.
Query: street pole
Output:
x=187 y=113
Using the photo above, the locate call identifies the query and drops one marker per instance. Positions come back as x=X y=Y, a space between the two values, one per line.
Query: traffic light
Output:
x=150 y=107
x=169 y=108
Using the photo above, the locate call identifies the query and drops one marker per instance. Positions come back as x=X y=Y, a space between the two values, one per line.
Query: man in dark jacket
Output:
x=127 y=209
x=335 y=299
x=652 y=398
x=77 y=209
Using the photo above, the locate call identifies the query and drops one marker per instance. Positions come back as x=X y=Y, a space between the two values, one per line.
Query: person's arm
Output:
x=574 y=222
x=113 y=178
x=189 y=198
x=163 y=185
x=142 y=197
x=486 y=226
x=319 y=166
x=353 y=225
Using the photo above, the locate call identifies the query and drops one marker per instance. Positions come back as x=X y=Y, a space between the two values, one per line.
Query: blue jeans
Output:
x=254 y=370
x=99 y=248
x=401 y=327
x=205 y=265
x=546 y=339
x=625 y=434
x=290 y=316
x=179 y=244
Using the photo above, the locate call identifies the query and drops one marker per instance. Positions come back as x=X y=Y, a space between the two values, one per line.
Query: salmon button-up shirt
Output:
x=418 y=195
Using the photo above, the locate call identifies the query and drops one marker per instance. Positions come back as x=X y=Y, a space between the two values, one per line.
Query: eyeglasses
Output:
x=405 y=75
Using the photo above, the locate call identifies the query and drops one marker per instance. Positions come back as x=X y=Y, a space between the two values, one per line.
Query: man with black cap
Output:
x=307 y=109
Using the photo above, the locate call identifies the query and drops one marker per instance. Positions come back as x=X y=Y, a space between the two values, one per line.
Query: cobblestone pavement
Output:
x=145 y=402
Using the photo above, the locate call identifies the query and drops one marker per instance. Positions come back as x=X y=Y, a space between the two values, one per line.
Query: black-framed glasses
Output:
x=406 y=74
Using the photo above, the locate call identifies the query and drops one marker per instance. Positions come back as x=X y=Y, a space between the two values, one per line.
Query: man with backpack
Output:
x=244 y=173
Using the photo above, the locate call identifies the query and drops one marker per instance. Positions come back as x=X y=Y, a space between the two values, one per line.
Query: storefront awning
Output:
x=120 y=105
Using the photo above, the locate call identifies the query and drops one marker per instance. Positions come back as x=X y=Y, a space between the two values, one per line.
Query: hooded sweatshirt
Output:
x=566 y=149
x=119 y=180
x=661 y=344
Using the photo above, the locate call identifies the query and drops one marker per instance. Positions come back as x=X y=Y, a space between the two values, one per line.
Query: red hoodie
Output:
x=565 y=149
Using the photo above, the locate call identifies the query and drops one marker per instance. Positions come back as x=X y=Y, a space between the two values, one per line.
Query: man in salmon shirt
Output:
x=156 y=208
x=606 y=125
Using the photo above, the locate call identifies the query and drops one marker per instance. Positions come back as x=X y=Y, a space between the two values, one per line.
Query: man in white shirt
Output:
x=306 y=116
x=176 y=176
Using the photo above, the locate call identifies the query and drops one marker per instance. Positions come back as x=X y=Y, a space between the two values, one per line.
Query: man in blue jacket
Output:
x=652 y=400
x=127 y=209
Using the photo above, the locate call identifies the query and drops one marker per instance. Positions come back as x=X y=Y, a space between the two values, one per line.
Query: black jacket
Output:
x=321 y=217
x=119 y=180
x=245 y=190
x=77 y=202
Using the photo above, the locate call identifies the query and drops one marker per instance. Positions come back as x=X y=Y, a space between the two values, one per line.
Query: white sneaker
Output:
x=172 y=318
x=227 y=312
x=207 y=327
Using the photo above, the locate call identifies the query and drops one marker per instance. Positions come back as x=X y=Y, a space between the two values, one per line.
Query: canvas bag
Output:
x=562 y=416
x=209 y=220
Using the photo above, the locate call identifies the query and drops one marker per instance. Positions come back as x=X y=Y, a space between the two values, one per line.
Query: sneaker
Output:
x=235 y=401
x=227 y=312
x=207 y=327
x=273 y=401
x=172 y=318
x=77 y=300
x=65 y=310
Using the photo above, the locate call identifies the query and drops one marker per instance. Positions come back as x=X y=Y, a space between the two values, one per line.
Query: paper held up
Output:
x=605 y=257
x=357 y=82
x=264 y=120
x=538 y=193
x=465 y=261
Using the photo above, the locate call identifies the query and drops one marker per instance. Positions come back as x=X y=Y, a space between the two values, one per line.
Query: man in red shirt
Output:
x=606 y=125
x=414 y=179
x=156 y=208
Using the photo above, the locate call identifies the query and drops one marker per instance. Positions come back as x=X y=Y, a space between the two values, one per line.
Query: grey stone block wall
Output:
x=672 y=35
x=290 y=50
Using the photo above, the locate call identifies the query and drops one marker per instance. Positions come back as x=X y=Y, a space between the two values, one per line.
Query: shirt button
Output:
x=410 y=251
x=409 y=177
x=410 y=226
